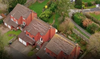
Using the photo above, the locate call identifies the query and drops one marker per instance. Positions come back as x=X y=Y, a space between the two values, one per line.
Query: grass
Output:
x=80 y=41
x=7 y=38
x=81 y=32
x=88 y=0
x=37 y=7
x=30 y=53
x=56 y=24
x=96 y=16
x=91 y=7
x=13 y=33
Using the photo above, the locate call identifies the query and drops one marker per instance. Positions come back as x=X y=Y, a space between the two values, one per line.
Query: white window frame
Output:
x=5 y=24
x=12 y=19
x=41 y=40
x=24 y=23
x=23 y=18
x=9 y=26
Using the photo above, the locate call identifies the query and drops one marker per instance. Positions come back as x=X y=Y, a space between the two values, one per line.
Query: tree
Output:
x=3 y=53
x=92 y=28
x=66 y=25
x=13 y=3
x=63 y=7
x=94 y=45
x=78 y=4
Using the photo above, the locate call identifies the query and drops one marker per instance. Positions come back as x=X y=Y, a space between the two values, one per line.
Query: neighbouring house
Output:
x=36 y=33
x=59 y=47
x=19 y=17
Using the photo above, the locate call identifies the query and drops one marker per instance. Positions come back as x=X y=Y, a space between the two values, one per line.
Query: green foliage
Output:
x=1 y=21
x=63 y=7
x=89 y=4
x=97 y=1
x=53 y=7
x=78 y=4
x=92 y=28
x=3 y=54
x=45 y=15
x=13 y=3
x=78 y=18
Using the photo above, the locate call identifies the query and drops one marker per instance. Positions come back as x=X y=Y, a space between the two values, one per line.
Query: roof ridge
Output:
x=65 y=40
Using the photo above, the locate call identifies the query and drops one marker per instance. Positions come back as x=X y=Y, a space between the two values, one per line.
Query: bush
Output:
x=89 y=4
x=92 y=28
x=97 y=1
x=78 y=6
x=78 y=18
x=1 y=21
x=45 y=15
x=53 y=7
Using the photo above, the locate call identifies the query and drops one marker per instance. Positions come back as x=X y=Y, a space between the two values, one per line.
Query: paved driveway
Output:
x=18 y=50
x=3 y=29
x=20 y=47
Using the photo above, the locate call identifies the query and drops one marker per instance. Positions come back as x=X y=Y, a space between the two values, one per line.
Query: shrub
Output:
x=45 y=15
x=78 y=6
x=53 y=7
x=78 y=18
x=92 y=28
x=89 y=4
x=1 y=21
x=97 y=1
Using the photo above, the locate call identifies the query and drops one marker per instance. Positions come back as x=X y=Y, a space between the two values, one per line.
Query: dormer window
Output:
x=33 y=38
x=12 y=19
x=24 y=23
x=23 y=18
x=41 y=39
x=16 y=22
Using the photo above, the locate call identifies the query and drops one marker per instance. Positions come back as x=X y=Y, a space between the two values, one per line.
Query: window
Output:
x=54 y=57
x=41 y=39
x=65 y=54
x=12 y=19
x=33 y=38
x=47 y=52
x=23 y=18
x=16 y=22
x=44 y=48
x=24 y=23
x=27 y=34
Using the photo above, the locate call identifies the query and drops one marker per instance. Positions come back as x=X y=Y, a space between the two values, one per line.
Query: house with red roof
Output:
x=36 y=33
x=59 y=47
x=19 y=17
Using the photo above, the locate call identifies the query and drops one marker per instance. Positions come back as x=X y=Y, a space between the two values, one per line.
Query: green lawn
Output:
x=9 y=35
x=88 y=0
x=95 y=16
x=37 y=7
x=81 y=32
x=80 y=41
x=91 y=7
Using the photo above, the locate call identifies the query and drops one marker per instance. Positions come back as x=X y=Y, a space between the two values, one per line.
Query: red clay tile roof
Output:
x=59 y=43
x=26 y=38
x=42 y=53
x=37 y=26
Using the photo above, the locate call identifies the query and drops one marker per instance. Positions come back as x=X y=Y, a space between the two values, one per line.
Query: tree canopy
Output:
x=13 y=3
x=63 y=6
x=3 y=53
x=94 y=45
